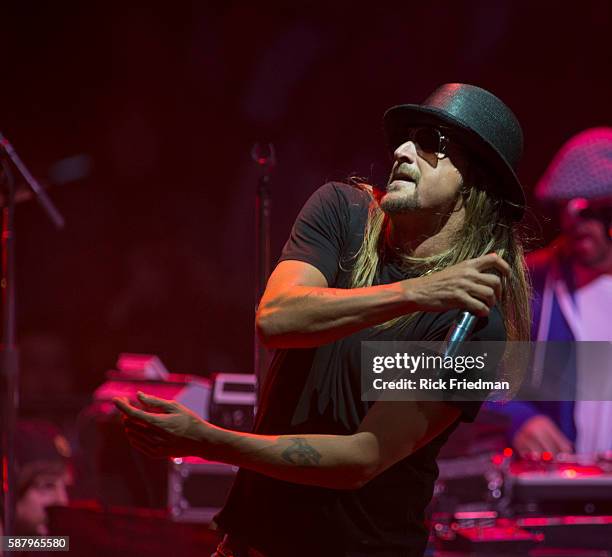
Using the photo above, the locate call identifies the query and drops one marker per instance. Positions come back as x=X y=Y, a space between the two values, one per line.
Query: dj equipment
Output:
x=191 y=489
x=116 y=473
x=467 y=482
x=567 y=485
x=233 y=401
x=496 y=503
x=197 y=488
x=502 y=537
x=586 y=532
x=191 y=391
x=478 y=534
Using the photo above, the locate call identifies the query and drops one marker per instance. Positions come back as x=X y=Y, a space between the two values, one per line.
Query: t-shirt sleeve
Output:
x=318 y=234
x=434 y=327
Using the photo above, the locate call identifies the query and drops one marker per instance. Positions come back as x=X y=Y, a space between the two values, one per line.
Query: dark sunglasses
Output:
x=589 y=210
x=431 y=143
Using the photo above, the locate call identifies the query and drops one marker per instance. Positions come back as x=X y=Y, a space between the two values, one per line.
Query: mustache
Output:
x=406 y=172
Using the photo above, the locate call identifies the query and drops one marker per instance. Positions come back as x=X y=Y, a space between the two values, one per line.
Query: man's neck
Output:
x=420 y=234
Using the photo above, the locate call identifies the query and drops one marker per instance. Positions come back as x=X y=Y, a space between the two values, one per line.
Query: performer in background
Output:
x=572 y=279
x=44 y=474
x=325 y=473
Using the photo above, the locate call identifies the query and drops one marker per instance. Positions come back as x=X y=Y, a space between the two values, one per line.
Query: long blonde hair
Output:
x=487 y=227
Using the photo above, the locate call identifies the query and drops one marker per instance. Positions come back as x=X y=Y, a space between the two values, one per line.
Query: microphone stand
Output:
x=265 y=157
x=9 y=353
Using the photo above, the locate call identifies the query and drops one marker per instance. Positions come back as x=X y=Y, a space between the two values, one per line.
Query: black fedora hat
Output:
x=481 y=122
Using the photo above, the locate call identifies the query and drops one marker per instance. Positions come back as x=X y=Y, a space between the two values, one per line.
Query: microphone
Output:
x=460 y=330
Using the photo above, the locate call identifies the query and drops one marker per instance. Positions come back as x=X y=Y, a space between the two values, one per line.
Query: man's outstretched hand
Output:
x=163 y=428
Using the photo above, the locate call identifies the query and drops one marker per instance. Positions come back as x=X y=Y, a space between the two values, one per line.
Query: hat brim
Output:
x=399 y=118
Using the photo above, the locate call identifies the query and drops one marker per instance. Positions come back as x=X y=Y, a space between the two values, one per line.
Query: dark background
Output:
x=163 y=103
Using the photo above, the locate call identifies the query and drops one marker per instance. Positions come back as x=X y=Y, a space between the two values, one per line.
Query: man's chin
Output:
x=588 y=252
x=588 y=258
x=393 y=203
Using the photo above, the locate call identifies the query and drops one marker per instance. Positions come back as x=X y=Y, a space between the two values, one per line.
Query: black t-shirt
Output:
x=317 y=390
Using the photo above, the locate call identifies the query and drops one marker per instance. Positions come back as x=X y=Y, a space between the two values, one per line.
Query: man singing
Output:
x=325 y=473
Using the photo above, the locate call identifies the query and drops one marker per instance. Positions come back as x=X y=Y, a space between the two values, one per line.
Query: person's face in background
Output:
x=585 y=224
x=31 y=512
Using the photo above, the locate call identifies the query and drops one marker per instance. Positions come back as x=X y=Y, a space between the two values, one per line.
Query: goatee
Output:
x=394 y=205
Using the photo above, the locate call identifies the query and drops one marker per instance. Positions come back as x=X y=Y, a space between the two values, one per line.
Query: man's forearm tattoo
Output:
x=300 y=452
